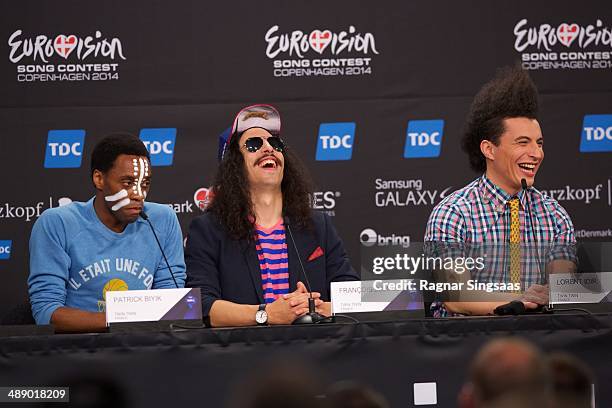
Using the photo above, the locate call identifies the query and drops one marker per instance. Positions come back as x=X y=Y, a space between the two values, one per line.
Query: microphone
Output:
x=145 y=217
x=516 y=307
x=312 y=316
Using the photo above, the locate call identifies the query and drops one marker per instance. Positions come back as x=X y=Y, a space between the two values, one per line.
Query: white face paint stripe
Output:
x=120 y=204
x=140 y=176
x=118 y=196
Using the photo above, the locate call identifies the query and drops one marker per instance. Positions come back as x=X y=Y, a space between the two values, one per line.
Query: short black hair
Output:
x=106 y=151
x=511 y=94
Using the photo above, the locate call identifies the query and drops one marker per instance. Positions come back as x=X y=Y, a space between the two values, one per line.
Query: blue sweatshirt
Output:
x=75 y=259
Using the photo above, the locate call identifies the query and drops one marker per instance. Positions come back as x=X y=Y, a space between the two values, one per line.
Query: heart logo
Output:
x=64 y=45
x=319 y=40
x=567 y=33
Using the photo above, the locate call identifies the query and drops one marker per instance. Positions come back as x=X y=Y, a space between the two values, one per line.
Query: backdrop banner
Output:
x=373 y=97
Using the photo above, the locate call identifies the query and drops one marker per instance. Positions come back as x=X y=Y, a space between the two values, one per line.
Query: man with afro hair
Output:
x=501 y=208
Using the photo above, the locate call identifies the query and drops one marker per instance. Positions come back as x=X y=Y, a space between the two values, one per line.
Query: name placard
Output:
x=372 y=296
x=580 y=287
x=153 y=305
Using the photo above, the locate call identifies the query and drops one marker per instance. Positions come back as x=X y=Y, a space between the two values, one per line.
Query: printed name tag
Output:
x=374 y=296
x=580 y=287
x=153 y=305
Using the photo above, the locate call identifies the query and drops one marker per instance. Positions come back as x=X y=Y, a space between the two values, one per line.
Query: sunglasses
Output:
x=255 y=143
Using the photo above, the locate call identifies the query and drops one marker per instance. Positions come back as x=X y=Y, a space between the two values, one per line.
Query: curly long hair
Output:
x=511 y=94
x=231 y=200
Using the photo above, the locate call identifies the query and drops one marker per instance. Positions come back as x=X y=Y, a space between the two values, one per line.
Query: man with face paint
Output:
x=241 y=253
x=80 y=251
x=501 y=213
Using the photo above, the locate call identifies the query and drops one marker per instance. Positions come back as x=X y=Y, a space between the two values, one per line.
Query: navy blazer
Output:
x=228 y=269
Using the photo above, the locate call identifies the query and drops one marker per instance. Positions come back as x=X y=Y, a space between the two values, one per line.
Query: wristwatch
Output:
x=261 y=316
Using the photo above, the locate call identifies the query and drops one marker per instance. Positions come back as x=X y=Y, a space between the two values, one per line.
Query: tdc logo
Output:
x=423 y=138
x=5 y=249
x=335 y=141
x=64 y=148
x=160 y=144
x=596 y=133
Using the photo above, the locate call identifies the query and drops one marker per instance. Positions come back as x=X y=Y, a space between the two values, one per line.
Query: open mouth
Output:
x=528 y=168
x=267 y=163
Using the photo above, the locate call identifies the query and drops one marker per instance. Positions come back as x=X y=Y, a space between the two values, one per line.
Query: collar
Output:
x=496 y=196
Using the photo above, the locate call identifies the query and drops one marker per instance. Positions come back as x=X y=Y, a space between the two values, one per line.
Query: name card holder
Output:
x=373 y=300
x=153 y=310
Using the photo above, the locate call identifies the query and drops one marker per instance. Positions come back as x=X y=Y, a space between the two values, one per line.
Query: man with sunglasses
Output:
x=245 y=251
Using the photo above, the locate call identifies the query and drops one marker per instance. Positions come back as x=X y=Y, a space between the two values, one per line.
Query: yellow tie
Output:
x=515 y=241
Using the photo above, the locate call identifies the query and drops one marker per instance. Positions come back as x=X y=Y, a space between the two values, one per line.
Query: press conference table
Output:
x=202 y=367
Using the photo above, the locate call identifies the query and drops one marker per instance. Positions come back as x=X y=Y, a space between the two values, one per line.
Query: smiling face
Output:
x=124 y=186
x=517 y=155
x=264 y=167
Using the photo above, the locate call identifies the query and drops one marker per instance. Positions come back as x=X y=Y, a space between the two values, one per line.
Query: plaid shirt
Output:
x=477 y=217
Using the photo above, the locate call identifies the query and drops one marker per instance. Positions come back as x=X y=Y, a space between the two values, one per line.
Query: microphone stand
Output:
x=312 y=316
x=145 y=217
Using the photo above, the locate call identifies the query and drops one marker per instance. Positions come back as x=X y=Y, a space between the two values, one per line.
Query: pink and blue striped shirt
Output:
x=271 y=246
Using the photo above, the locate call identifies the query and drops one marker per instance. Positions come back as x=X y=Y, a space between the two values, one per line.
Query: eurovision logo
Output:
x=565 y=45
x=65 y=57
x=320 y=52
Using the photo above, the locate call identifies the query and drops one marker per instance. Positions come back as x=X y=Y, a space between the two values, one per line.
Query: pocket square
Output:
x=315 y=254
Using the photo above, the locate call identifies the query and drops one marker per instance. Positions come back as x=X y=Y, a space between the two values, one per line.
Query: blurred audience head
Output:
x=348 y=394
x=507 y=369
x=279 y=384
x=572 y=381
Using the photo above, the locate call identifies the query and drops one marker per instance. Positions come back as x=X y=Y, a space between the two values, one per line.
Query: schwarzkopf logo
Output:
x=29 y=213
x=581 y=194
